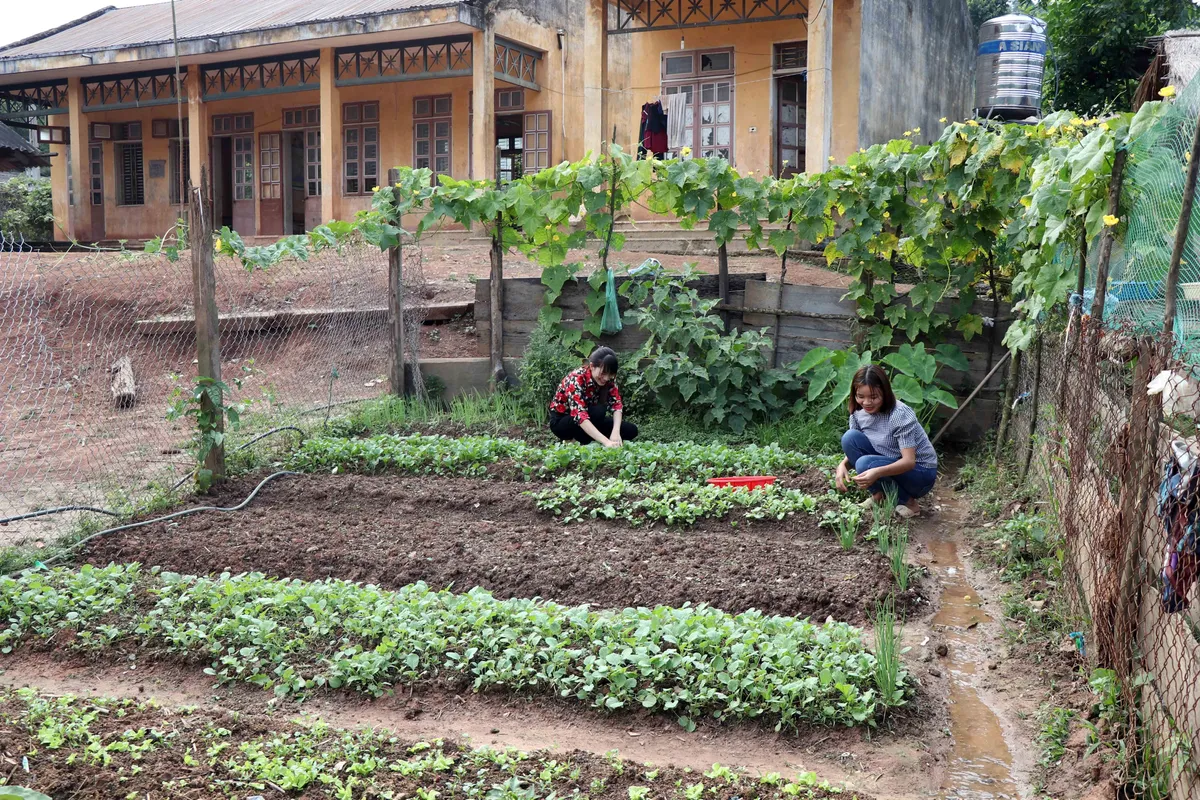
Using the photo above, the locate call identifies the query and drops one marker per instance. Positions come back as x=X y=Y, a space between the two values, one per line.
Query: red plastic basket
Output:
x=744 y=482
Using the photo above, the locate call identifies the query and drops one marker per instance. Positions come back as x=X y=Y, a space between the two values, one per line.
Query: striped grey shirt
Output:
x=889 y=433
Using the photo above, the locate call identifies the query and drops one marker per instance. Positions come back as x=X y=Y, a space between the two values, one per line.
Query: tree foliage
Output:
x=26 y=209
x=1098 y=48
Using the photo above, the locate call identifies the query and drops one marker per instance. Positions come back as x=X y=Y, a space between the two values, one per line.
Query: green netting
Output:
x=1150 y=205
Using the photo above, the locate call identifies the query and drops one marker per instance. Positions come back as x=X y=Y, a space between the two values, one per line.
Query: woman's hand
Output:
x=615 y=439
x=842 y=474
x=612 y=442
x=864 y=479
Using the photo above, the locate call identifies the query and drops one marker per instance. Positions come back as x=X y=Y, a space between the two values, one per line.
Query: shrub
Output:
x=26 y=209
x=547 y=359
x=691 y=364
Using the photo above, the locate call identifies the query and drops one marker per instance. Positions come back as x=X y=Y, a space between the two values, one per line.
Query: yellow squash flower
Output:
x=1110 y=220
x=1166 y=91
x=973 y=123
x=942 y=120
x=217 y=244
x=908 y=133
x=916 y=130
x=685 y=152
x=374 y=188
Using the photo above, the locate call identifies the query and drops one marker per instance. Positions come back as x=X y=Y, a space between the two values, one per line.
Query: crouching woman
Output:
x=886 y=445
x=587 y=406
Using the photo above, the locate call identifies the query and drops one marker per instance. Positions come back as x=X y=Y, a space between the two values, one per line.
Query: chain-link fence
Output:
x=98 y=345
x=1119 y=459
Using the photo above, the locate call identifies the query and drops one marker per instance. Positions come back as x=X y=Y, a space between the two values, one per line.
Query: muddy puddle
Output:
x=980 y=763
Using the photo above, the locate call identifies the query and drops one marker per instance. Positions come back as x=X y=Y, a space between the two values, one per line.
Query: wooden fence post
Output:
x=496 y=348
x=1106 y=237
x=396 y=304
x=204 y=298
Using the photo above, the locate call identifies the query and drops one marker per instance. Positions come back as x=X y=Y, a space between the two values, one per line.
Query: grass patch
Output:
x=295 y=637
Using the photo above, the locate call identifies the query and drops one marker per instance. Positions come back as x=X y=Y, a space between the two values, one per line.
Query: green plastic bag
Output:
x=610 y=323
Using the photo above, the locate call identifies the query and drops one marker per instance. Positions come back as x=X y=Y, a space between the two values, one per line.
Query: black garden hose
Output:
x=175 y=515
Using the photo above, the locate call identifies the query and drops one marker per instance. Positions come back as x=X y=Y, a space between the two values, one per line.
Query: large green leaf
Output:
x=908 y=390
x=17 y=793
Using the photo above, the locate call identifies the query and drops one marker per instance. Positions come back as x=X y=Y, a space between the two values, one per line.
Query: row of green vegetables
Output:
x=476 y=456
x=296 y=637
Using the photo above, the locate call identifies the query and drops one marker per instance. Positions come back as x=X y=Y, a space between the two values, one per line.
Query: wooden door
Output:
x=96 y=193
x=243 y=185
x=270 y=185
x=535 y=155
x=789 y=125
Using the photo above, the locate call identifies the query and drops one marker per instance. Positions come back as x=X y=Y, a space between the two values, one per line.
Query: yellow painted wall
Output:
x=847 y=36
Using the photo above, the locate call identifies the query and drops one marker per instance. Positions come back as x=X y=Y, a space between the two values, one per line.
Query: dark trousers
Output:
x=917 y=482
x=566 y=428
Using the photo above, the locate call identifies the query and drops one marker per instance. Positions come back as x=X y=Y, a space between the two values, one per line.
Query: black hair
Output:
x=605 y=358
x=873 y=377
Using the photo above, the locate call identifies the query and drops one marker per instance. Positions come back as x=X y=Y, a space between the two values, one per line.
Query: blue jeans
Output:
x=917 y=482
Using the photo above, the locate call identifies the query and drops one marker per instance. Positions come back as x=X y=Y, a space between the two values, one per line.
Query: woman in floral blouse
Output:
x=581 y=406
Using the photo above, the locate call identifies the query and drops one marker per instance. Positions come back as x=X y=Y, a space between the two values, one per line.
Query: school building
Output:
x=299 y=107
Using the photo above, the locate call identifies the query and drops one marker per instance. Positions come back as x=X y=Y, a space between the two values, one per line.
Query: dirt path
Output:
x=992 y=753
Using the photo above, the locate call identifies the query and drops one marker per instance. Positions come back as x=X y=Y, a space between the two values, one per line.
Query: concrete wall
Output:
x=917 y=65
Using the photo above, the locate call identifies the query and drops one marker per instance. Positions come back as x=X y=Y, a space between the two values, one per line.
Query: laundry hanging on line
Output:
x=1178 y=496
x=677 y=121
x=652 y=136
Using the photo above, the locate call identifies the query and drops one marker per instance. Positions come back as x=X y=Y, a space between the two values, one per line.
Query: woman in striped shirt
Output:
x=886 y=445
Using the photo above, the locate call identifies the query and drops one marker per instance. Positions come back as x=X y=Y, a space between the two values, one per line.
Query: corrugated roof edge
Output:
x=422 y=7
x=37 y=37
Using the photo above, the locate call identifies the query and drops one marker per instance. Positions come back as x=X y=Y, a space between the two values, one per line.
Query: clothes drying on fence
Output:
x=677 y=122
x=1178 y=500
x=652 y=136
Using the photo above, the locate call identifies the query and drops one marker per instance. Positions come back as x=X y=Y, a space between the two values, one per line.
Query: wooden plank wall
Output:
x=523 y=302
x=823 y=319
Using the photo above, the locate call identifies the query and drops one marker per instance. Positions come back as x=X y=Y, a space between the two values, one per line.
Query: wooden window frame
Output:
x=245 y=176
x=167 y=128
x=270 y=166
x=232 y=124
x=312 y=185
x=115 y=131
x=53 y=134
x=122 y=150
x=510 y=94
x=96 y=171
x=303 y=117
x=360 y=120
x=696 y=79
x=179 y=162
x=697 y=74
x=433 y=118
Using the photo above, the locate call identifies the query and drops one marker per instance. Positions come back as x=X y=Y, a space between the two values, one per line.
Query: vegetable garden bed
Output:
x=462 y=533
x=97 y=749
x=296 y=637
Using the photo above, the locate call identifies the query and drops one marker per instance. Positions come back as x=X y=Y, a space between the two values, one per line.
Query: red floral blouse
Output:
x=579 y=390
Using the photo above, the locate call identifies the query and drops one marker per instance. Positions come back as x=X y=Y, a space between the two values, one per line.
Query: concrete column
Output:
x=331 y=139
x=483 y=100
x=197 y=126
x=818 y=140
x=596 y=126
x=79 y=216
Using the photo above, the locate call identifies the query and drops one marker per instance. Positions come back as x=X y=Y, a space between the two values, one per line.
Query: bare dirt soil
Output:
x=461 y=533
x=247 y=718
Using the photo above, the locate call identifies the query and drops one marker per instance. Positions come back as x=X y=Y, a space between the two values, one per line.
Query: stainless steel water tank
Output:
x=1009 y=64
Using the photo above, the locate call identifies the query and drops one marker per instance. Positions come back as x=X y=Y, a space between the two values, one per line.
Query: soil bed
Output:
x=163 y=753
x=461 y=533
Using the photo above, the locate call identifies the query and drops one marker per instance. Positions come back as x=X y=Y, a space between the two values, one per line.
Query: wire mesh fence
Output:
x=81 y=329
x=1113 y=442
